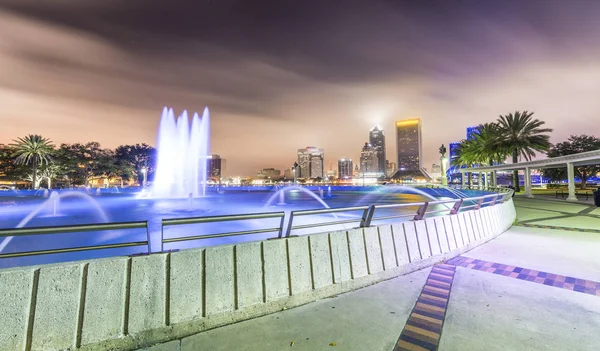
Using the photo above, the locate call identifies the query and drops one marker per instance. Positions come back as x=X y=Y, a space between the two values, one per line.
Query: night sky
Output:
x=282 y=75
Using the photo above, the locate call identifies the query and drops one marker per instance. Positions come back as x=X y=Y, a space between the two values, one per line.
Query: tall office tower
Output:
x=345 y=168
x=214 y=166
x=377 y=140
x=310 y=162
x=409 y=149
x=369 y=162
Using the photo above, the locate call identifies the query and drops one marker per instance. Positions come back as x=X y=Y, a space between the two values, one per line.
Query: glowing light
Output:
x=408 y=122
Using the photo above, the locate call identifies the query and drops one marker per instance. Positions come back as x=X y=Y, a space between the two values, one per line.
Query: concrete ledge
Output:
x=127 y=303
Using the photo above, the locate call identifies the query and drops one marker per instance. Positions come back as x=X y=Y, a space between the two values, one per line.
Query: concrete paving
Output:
x=491 y=312
x=486 y=311
x=366 y=319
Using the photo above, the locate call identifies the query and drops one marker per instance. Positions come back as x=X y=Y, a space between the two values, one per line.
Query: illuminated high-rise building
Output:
x=345 y=168
x=310 y=163
x=471 y=131
x=214 y=166
x=409 y=150
x=369 y=162
x=377 y=140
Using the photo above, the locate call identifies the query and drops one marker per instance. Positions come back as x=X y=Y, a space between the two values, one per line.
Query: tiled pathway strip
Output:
x=424 y=325
x=543 y=226
x=560 y=281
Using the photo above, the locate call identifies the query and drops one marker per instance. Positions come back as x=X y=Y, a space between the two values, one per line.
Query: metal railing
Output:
x=213 y=219
x=423 y=209
x=74 y=229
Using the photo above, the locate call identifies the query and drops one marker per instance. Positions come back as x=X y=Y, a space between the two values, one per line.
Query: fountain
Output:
x=182 y=155
x=54 y=201
x=329 y=191
x=299 y=188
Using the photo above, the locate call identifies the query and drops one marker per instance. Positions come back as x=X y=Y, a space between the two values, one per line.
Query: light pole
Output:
x=443 y=164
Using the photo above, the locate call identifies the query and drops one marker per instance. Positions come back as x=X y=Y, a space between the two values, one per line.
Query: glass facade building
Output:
x=377 y=141
x=345 y=168
x=408 y=143
x=310 y=163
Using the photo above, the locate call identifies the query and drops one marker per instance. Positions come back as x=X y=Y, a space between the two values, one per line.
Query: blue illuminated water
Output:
x=125 y=205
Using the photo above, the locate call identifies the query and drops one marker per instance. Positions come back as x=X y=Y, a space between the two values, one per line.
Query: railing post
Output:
x=288 y=231
x=367 y=216
x=421 y=211
x=281 y=225
x=493 y=202
x=479 y=203
x=162 y=236
x=148 y=238
x=456 y=207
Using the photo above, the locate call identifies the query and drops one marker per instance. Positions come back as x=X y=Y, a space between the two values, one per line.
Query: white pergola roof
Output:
x=581 y=159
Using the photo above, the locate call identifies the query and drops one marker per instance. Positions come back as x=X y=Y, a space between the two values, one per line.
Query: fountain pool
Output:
x=107 y=205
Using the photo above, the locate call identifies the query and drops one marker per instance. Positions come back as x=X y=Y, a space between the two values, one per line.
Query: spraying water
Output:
x=54 y=201
x=182 y=155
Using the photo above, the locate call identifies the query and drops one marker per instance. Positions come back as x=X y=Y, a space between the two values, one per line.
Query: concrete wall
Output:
x=123 y=303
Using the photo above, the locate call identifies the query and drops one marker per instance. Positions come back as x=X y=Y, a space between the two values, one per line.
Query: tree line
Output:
x=37 y=160
x=520 y=137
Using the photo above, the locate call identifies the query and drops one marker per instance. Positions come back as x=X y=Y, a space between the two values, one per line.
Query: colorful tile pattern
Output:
x=559 y=281
x=424 y=325
x=543 y=226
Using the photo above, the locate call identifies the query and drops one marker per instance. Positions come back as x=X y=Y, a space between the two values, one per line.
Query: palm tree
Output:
x=523 y=136
x=32 y=149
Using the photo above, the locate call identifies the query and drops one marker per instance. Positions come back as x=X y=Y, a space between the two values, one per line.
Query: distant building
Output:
x=369 y=162
x=310 y=163
x=390 y=168
x=345 y=168
x=214 y=167
x=356 y=172
x=269 y=173
x=377 y=140
x=471 y=131
x=409 y=151
x=288 y=173
x=436 y=171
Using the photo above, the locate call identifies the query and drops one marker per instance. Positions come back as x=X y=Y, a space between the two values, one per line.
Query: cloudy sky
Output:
x=281 y=75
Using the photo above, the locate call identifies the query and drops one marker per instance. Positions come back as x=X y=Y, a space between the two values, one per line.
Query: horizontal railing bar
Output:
x=71 y=228
x=315 y=225
x=220 y=235
x=225 y=218
x=329 y=210
x=437 y=211
x=417 y=204
x=72 y=249
x=392 y=217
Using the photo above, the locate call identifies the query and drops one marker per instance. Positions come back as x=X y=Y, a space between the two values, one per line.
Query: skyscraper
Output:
x=409 y=149
x=369 y=162
x=345 y=168
x=377 y=140
x=310 y=163
x=214 y=166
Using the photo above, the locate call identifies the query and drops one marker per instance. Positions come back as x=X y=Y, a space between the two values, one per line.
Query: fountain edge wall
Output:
x=130 y=302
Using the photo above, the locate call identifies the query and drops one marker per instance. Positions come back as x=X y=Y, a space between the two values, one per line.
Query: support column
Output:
x=494 y=179
x=485 y=180
x=527 y=182
x=571 y=178
x=444 y=169
x=463 y=178
x=479 y=180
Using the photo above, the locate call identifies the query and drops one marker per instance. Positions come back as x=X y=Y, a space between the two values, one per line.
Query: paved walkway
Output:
x=532 y=288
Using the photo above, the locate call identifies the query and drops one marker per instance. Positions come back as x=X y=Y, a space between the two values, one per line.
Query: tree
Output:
x=9 y=169
x=574 y=145
x=32 y=149
x=84 y=161
x=51 y=171
x=523 y=136
x=483 y=149
x=137 y=157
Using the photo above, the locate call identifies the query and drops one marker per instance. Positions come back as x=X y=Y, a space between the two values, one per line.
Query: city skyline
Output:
x=82 y=71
